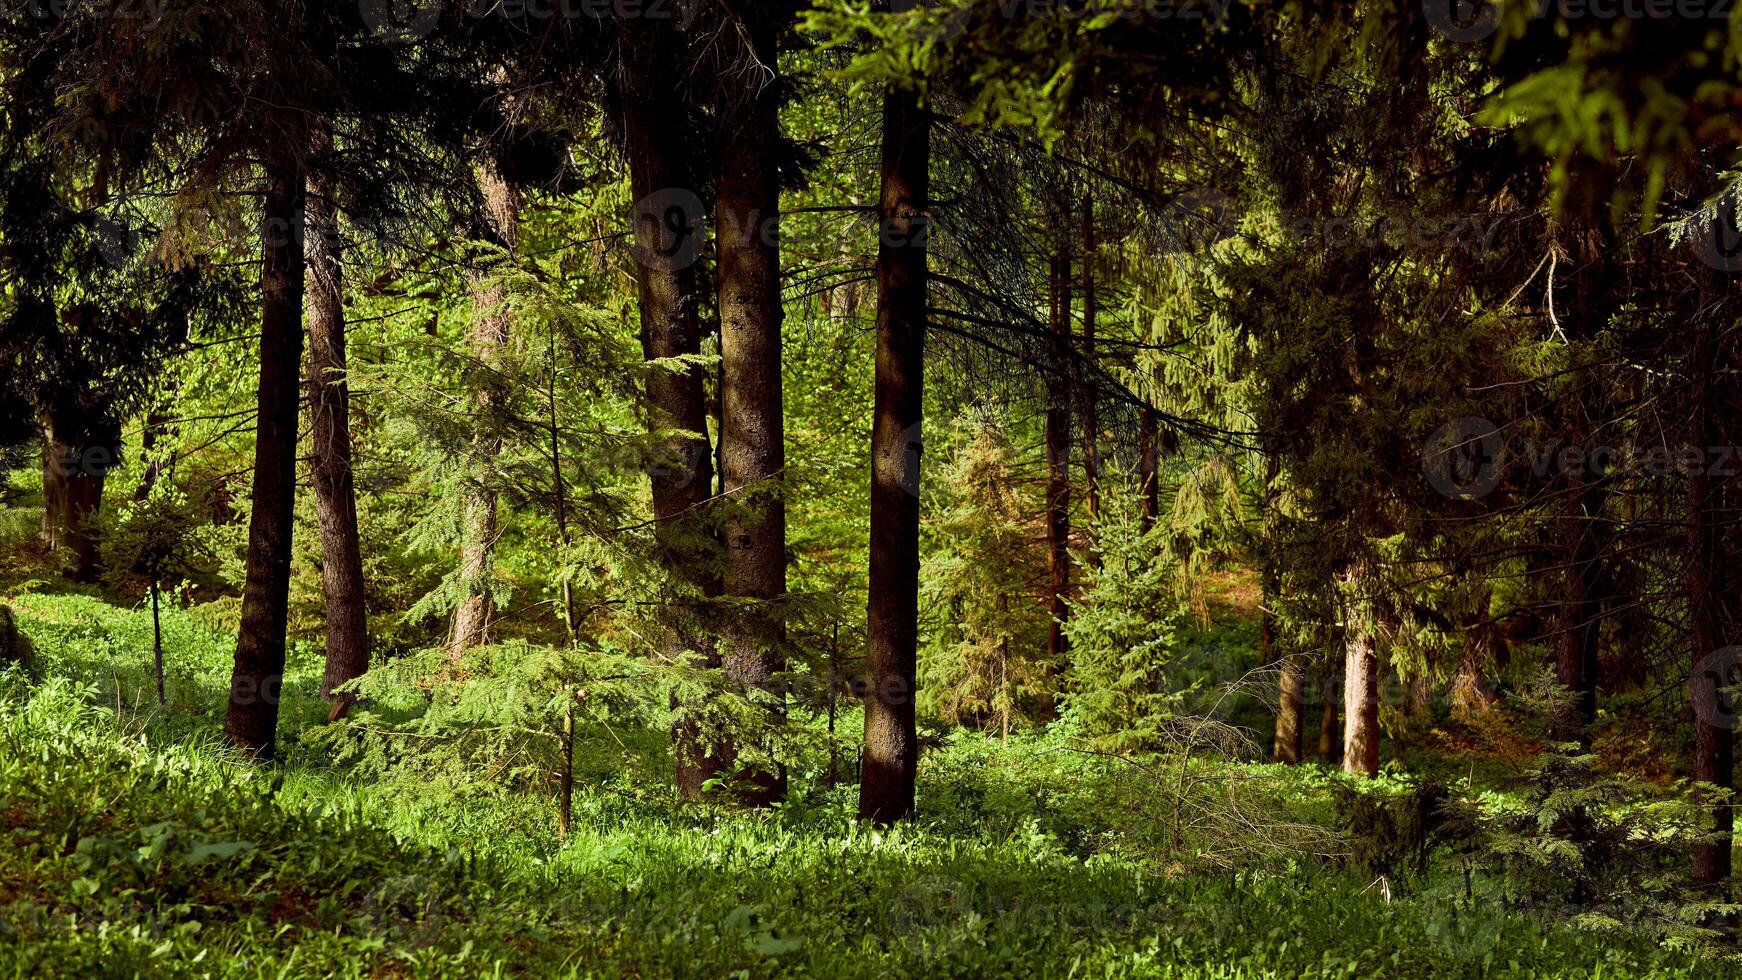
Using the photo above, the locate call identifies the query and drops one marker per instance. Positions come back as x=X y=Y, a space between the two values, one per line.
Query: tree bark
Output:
x=752 y=437
x=891 y=761
x=1360 y=678
x=667 y=232
x=76 y=459
x=1148 y=469
x=1091 y=415
x=499 y=225
x=1058 y=476
x=1579 y=633
x=329 y=406
x=1714 y=747
x=1328 y=743
x=251 y=722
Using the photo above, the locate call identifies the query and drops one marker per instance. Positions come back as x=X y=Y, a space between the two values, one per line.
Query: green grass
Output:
x=137 y=845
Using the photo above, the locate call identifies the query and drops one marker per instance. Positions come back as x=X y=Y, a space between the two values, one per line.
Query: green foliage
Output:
x=1122 y=632
x=982 y=664
x=124 y=858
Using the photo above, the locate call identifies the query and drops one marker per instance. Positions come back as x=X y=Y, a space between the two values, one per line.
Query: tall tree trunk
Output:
x=891 y=745
x=1148 y=469
x=752 y=437
x=1091 y=416
x=1286 y=745
x=667 y=230
x=1328 y=744
x=251 y=722
x=1058 y=474
x=1360 y=676
x=1714 y=747
x=1582 y=531
x=329 y=405
x=499 y=225
x=1579 y=632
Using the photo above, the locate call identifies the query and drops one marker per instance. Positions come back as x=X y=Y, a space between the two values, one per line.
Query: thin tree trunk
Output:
x=571 y=623
x=1285 y=747
x=1714 y=746
x=498 y=224
x=251 y=722
x=1148 y=469
x=1328 y=743
x=1360 y=677
x=157 y=641
x=886 y=788
x=329 y=404
x=1579 y=633
x=1058 y=477
x=752 y=437
x=1091 y=420
x=667 y=233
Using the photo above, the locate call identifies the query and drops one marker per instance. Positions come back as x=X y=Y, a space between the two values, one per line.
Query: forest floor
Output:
x=136 y=844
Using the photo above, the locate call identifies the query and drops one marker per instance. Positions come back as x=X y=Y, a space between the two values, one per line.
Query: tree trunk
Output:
x=1581 y=609
x=499 y=225
x=891 y=745
x=329 y=406
x=251 y=722
x=1328 y=743
x=752 y=437
x=1058 y=475
x=76 y=459
x=667 y=231
x=1360 y=678
x=157 y=641
x=1714 y=747
x=1148 y=469
x=1091 y=416
x=1286 y=745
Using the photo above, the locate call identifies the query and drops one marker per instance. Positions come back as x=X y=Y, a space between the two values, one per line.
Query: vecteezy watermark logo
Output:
x=400 y=21
x=1715 y=234
x=1462 y=458
x=1461 y=20
x=1712 y=687
x=667 y=228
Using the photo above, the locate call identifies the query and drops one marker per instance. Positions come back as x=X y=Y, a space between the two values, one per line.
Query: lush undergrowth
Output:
x=136 y=845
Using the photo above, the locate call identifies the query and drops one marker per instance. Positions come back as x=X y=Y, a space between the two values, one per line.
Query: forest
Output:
x=760 y=488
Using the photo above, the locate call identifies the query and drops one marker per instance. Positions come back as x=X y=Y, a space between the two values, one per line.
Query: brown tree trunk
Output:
x=499 y=225
x=1286 y=745
x=1091 y=416
x=1328 y=743
x=1148 y=468
x=1058 y=474
x=329 y=406
x=1360 y=678
x=752 y=437
x=251 y=722
x=667 y=232
x=891 y=744
x=1714 y=747
x=1578 y=634
x=76 y=459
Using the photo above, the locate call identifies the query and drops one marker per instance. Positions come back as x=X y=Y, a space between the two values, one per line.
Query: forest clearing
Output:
x=1158 y=488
